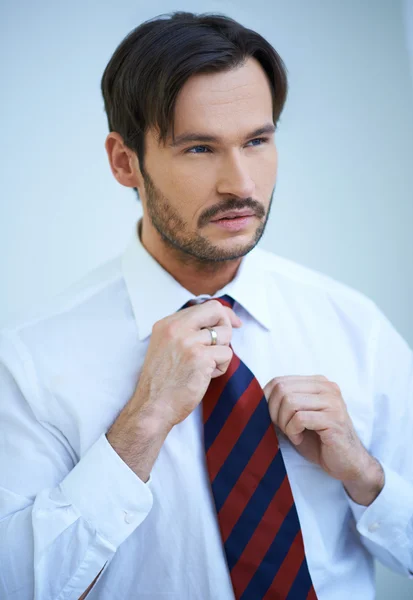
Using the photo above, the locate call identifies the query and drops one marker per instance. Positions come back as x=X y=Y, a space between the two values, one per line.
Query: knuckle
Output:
x=279 y=389
x=227 y=362
x=226 y=314
x=335 y=386
x=216 y=305
x=169 y=330
x=228 y=353
x=185 y=343
x=194 y=352
x=227 y=331
x=342 y=419
x=299 y=418
x=273 y=412
x=157 y=326
x=291 y=401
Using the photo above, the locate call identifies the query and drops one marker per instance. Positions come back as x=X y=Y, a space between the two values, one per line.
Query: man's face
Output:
x=190 y=185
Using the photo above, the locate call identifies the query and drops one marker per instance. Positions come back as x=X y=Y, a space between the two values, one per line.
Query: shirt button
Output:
x=373 y=526
x=128 y=517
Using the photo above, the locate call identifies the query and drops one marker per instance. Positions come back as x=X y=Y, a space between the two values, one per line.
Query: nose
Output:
x=234 y=177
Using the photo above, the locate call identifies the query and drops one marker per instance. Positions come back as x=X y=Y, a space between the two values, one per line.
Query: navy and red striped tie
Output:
x=257 y=516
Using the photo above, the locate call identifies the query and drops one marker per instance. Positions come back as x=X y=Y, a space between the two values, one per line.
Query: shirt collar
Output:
x=155 y=294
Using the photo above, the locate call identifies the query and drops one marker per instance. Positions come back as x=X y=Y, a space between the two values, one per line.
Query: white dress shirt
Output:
x=69 y=505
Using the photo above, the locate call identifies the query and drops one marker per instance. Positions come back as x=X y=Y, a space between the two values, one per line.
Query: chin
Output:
x=239 y=241
x=236 y=247
x=246 y=237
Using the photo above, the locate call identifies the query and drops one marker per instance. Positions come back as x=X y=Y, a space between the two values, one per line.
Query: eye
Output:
x=190 y=150
x=206 y=149
x=262 y=140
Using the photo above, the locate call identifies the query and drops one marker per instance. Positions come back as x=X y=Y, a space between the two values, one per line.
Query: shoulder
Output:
x=90 y=297
x=283 y=268
x=312 y=288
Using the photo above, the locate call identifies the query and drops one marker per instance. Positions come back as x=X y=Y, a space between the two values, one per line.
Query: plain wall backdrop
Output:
x=343 y=203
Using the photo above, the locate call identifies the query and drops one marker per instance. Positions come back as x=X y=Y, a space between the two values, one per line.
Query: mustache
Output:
x=231 y=204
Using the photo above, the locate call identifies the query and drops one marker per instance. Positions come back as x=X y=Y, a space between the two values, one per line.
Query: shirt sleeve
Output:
x=386 y=525
x=61 y=521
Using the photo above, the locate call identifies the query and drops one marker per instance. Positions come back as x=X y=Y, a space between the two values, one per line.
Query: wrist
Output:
x=137 y=436
x=153 y=424
x=149 y=418
x=368 y=484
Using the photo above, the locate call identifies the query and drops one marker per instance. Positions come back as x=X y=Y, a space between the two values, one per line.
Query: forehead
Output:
x=226 y=103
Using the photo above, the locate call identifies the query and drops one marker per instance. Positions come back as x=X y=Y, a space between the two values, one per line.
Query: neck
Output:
x=196 y=276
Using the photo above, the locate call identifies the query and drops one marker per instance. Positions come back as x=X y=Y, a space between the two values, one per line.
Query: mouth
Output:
x=234 y=214
x=234 y=220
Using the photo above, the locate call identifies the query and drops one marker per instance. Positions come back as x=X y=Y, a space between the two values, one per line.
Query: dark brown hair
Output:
x=143 y=78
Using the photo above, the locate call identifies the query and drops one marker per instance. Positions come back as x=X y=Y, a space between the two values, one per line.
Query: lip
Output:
x=233 y=214
x=235 y=223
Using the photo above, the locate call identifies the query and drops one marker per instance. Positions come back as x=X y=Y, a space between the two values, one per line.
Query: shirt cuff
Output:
x=107 y=493
x=388 y=520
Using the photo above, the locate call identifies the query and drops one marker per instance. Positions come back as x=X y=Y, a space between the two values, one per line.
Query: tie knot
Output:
x=225 y=300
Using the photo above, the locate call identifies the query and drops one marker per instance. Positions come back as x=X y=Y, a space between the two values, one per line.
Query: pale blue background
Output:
x=344 y=198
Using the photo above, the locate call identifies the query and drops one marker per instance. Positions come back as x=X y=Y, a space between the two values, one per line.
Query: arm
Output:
x=61 y=521
x=385 y=524
x=123 y=436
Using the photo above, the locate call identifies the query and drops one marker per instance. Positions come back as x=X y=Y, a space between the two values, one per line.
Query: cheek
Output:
x=195 y=174
x=192 y=185
x=184 y=185
x=266 y=168
x=189 y=191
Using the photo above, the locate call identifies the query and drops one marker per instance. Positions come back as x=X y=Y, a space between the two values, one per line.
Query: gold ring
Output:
x=214 y=336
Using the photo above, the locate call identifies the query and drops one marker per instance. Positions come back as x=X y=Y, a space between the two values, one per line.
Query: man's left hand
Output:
x=311 y=412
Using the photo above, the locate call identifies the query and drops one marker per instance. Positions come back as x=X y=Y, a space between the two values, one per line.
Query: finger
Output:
x=313 y=384
x=224 y=336
x=292 y=403
x=210 y=314
x=221 y=356
x=307 y=419
x=203 y=336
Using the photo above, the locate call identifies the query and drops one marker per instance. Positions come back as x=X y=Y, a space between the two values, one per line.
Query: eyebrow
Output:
x=184 y=138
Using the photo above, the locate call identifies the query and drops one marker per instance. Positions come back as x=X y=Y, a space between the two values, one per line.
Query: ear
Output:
x=123 y=161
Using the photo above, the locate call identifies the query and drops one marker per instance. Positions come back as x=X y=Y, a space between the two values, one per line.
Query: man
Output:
x=199 y=418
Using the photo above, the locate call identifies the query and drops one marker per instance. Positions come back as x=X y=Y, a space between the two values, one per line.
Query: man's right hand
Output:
x=180 y=361
x=178 y=367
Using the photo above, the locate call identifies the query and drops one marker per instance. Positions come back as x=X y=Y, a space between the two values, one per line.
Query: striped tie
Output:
x=257 y=516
